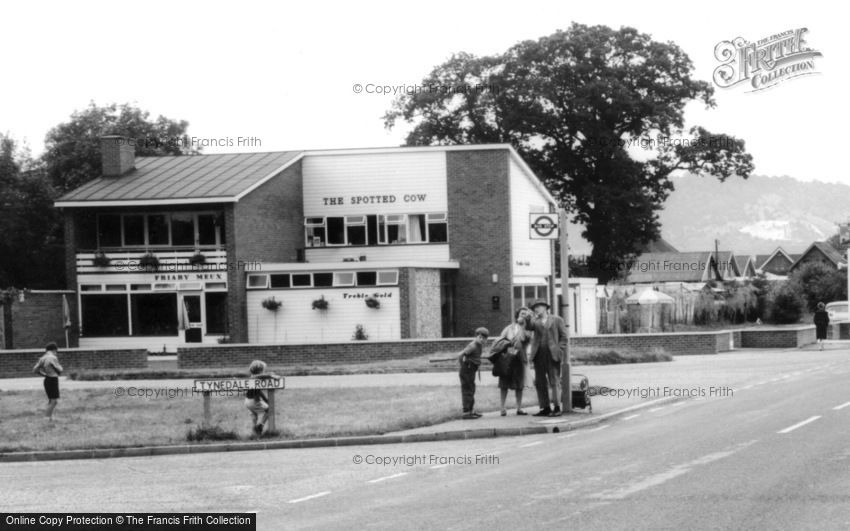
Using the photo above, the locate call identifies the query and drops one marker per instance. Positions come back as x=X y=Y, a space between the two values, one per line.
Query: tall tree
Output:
x=578 y=105
x=72 y=155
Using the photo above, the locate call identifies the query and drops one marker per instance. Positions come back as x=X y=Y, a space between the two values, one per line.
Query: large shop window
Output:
x=104 y=315
x=185 y=229
x=525 y=295
x=154 y=314
x=216 y=307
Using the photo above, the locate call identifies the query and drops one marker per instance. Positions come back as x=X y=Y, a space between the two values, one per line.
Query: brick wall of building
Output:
x=479 y=239
x=17 y=363
x=38 y=319
x=267 y=226
x=674 y=343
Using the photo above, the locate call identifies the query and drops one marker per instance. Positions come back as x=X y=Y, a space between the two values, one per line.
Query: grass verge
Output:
x=98 y=418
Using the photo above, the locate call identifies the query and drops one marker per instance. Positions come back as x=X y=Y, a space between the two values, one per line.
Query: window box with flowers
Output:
x=320 y=304
x=197 y=259
x=149 y=262
x=100 y=259
x=271 y=304
x=373 y=303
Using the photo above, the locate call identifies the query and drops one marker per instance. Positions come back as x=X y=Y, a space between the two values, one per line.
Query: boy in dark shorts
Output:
x=48 y=366
x=470 y=360
x=256 y=401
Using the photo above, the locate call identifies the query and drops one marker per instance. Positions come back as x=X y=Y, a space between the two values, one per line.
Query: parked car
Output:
x=838 y=311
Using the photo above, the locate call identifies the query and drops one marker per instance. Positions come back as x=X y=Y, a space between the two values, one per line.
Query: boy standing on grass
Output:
x=470 y=359
x=256 y=401
x=48 y=366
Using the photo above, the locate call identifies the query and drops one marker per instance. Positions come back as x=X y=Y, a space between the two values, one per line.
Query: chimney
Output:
x=118 y=155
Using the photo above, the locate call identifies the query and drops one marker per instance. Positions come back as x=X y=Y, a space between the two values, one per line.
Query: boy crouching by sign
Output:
x=255 y=400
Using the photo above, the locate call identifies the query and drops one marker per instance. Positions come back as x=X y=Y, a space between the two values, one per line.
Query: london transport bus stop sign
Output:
x=543 y=226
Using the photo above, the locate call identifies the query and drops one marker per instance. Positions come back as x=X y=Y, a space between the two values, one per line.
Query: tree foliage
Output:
x=785 y=303
x=819 y=282
x=572 y=103
x=72 y=155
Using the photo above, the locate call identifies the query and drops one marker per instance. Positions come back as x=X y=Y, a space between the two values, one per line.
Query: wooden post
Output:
x=566 y=390
x=271 y=410
x=207 y=414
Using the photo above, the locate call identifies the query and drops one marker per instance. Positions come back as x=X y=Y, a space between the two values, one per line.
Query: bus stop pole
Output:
x=566 y=391
x=271 y=410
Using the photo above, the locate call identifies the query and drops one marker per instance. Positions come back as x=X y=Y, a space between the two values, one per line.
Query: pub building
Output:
x=303 y=246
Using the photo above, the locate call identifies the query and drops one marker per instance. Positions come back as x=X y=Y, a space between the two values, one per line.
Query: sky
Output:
x=283 y=74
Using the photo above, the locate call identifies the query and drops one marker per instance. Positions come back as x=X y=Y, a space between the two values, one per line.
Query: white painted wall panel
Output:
x=419 y=253
x=416 y=181
x=530 y=257
x=296 y=322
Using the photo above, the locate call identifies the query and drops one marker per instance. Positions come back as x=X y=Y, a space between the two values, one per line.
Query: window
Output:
x=206 y=229
x=525 y=295
x=387 y=278
x=279 y=281
x=322 y=280
x=367 y=278
x=216 y=285
x=396 y=229
x=258 y=281
x=116 y=287
x=109 y=230
x=154 y=314
x=355 y=228
x=216 y=306
x=438 y=228
x=140 y=287
x=104 y=315
x=182 y=229
x=344 y=279
x=91 y=287
x=336 y=231
x=158 y=229
x=314 y=231
x=134 y=230
x=417 y=228
x=303 y=280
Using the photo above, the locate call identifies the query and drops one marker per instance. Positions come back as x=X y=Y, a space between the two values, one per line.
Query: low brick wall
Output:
x=16 y=363
x=681 y=343
x=785 y=337
x=235 y=355
x=838 y=331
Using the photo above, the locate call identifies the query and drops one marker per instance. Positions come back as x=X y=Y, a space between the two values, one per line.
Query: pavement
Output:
x=771 y=455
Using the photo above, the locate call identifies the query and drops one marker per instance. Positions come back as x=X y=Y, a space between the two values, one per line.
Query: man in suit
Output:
x=548 y=345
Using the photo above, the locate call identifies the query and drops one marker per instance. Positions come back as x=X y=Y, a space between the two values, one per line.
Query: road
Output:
x=771 y=453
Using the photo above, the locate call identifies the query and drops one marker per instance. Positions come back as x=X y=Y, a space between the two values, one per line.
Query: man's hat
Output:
x=540 y=302
x=482 y=331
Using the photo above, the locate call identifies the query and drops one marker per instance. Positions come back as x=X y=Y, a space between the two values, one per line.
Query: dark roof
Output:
x=726 y=265
x=762 y=259
x=219 y=176
x=658 y=246
x=828 y=251
x=669 y=267
x=742 y=261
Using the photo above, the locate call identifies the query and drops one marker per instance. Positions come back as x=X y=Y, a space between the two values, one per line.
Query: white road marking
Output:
x=747 y=387
x=677 y=404
x=531 y=444
x=676 y=471
x=387 y=477
x=435 y=467
x=310 y=497
x=842 y=406
x=653 y=410
x=567 y=436
x=600 y=428
x=630 y=417
x=799 y=424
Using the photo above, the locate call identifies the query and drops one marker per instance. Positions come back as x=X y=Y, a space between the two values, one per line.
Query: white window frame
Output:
x=264 y=285
x=379 y=282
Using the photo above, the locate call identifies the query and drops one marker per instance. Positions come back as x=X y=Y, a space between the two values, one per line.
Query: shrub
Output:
x=785 y=303
x=320 y=304
x=359 y=334
x=819 y=282
x=100 y=259
x=212 y=433
x=197 y=259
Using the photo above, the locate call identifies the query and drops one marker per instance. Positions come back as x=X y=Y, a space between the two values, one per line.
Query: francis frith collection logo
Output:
x=764 y=63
